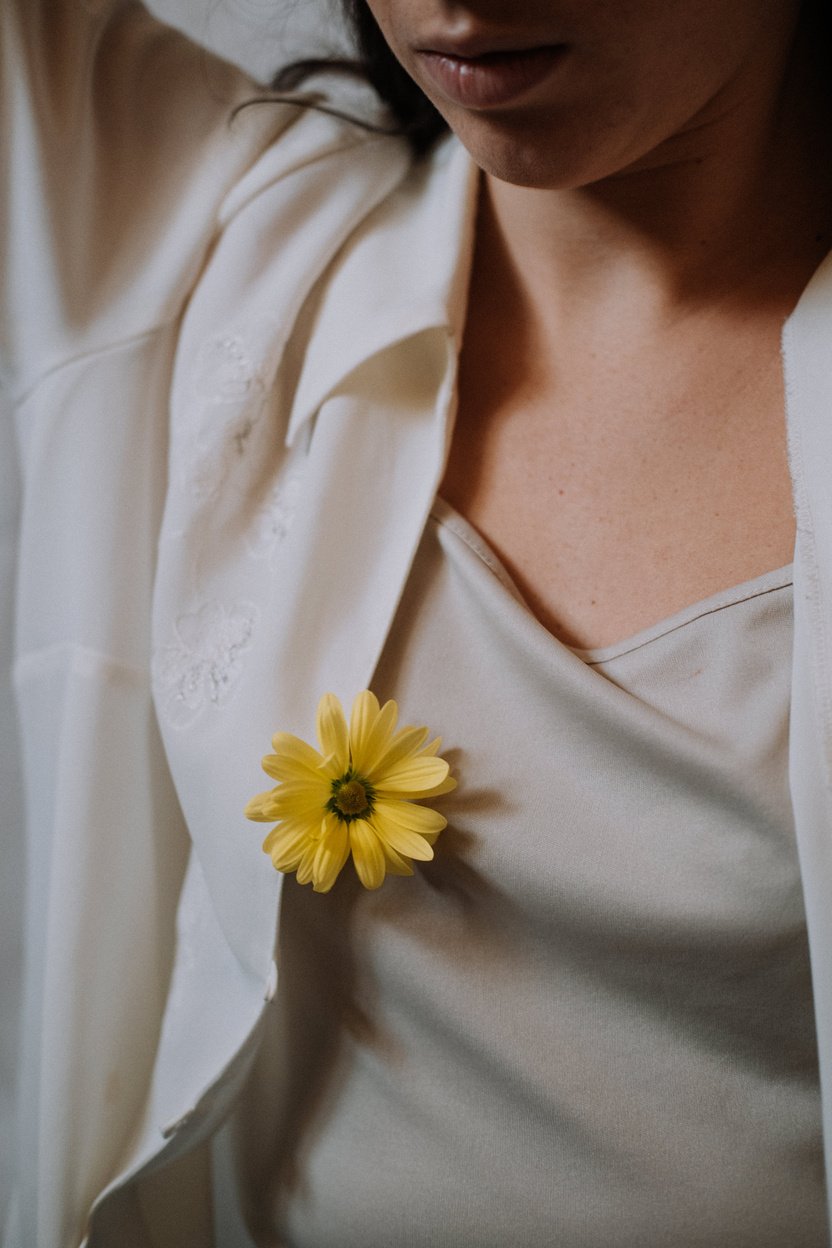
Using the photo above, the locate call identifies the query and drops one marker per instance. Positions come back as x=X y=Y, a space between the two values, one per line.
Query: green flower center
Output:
x=352 y=797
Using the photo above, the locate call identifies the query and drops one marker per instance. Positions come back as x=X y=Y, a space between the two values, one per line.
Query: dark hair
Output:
x=414 y=116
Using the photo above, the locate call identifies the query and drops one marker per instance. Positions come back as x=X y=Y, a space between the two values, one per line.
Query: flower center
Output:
x=352 y=797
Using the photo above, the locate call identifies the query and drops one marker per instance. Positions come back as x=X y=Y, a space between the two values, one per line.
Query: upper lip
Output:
x=469 y=48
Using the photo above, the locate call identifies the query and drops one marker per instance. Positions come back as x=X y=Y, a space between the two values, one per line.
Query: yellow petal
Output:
x=331 y=768
x=433 y=746
x=282 y=833
x=286 y=863
x=292 y=758
x=286 y=845
x=404 y=840
x=306 y=865
x=405 y=744
x=363 y=716
x=290 y=773
x=394 y=863
x=333 y=736
x=372 y=733
x=288 y=801
x=421 y=819
x=367 y=853
x=445 y=786
x=261 y=807
x=332 y=852
x=411 y=777
x=275 y=767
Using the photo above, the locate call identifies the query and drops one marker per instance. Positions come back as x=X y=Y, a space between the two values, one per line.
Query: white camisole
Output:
x=588 y=1023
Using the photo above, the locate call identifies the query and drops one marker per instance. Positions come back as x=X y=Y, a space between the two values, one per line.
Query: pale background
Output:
x=260 y=35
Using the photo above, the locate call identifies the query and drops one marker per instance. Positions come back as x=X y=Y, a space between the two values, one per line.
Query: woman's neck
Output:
x=738 y=208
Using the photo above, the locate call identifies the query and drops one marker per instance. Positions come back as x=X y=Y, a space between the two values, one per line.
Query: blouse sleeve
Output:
x=119 y=141
x=120 y=148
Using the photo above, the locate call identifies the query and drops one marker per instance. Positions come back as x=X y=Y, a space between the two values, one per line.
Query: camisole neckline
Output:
x=447 y=515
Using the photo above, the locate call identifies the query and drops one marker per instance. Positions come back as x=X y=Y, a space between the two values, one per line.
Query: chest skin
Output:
x=648 y=474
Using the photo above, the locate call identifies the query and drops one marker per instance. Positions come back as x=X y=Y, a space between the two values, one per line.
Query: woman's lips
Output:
x=491 y=79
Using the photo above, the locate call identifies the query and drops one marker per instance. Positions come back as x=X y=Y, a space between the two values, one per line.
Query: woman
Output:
x=590 y=1020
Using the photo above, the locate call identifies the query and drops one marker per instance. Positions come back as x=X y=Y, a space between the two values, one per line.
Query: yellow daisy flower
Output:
x=356 y=796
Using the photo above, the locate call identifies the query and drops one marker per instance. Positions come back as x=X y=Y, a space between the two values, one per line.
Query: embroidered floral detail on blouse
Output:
x=209 y=467
x=200 y=667
x=226 y=372
x=231 y=383
x=356 y=796
x=273 y=522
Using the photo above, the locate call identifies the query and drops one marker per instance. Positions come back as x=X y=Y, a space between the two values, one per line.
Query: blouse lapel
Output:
x=247 y=642
x=807 y=343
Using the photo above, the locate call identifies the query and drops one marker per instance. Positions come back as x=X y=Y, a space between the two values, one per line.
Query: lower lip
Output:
x=490 y=81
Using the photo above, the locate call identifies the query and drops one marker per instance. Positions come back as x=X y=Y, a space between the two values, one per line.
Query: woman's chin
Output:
x=536 y=156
